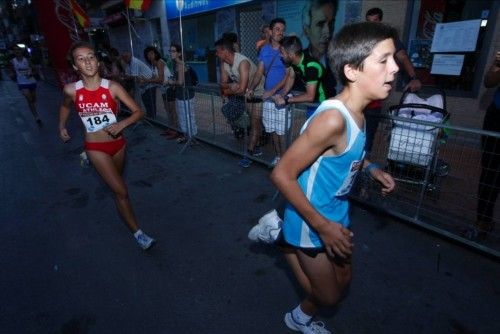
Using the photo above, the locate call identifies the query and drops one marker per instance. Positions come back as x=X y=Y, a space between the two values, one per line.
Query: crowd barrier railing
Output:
x=437 y=166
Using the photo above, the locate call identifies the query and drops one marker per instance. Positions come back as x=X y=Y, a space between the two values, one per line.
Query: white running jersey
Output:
x=23 y=72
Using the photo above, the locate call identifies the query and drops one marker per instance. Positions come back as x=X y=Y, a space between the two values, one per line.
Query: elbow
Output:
x=276 y=177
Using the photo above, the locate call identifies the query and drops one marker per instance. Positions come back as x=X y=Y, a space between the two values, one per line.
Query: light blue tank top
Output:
x=327 y=182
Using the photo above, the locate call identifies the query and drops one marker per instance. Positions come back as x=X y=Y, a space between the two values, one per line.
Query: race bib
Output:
x=346 y=186
x=99 y=121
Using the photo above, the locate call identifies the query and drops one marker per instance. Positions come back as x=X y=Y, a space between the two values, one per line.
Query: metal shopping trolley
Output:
x=414 y=141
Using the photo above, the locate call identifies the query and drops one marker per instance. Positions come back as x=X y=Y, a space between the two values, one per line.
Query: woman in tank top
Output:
x=95 y=100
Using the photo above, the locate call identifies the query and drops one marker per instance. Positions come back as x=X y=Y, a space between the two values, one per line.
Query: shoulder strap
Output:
x=78 y=85
x=272 y=62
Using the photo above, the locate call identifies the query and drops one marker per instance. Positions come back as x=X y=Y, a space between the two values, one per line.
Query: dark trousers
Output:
x=149 y=100
x=489 y=182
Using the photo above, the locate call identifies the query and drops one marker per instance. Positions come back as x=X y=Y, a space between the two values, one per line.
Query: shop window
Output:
x=461 y=80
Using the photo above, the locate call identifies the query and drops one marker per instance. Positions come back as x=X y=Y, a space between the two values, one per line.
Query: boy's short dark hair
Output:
x=225 y=44
x=275 y=21
x=354 y=43
x=375 y=11
x=74 y=46
x=230 y=36
x=292 y=44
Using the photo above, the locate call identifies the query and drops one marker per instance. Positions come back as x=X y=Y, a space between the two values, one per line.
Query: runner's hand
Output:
x=386 y=181
x=114 y=130
x=63 y=134
x=337 y=240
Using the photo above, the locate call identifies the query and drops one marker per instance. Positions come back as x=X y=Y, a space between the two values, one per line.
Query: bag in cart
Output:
x=411 y=142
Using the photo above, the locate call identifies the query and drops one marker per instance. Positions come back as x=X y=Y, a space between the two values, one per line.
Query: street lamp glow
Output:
x=179 y=4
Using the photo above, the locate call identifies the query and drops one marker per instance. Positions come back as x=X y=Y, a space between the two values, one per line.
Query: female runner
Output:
x=94 y=99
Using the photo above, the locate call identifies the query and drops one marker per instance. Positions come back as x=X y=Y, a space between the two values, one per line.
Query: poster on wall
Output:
x=313 y=23
x=419 y=53
x=458 y=36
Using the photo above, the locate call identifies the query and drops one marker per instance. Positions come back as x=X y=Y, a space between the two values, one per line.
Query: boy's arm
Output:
x=385 y=179
x=324 y=132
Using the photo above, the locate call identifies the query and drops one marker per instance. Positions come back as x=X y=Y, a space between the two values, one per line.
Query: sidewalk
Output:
x=70 y=266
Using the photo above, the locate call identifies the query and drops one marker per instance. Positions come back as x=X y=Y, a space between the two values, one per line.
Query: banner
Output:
x=198 y=6
x=59 y=28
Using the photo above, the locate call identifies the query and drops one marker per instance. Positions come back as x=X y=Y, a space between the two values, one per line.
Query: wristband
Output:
x=286 y=97
x=371 y=166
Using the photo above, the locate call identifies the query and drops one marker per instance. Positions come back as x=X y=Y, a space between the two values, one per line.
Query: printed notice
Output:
x=447 y=64
x=456 y=36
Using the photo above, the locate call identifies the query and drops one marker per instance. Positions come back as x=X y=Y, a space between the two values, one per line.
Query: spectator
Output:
x=161 y=74
x=137 y=71
x=304 y=69
x=489 y=181
x=237 y=71
x=374 y=109
x=274 y=71
x=184 y=95
x=318 y=20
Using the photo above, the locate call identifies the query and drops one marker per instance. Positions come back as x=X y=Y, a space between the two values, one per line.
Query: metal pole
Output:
x=130 y=34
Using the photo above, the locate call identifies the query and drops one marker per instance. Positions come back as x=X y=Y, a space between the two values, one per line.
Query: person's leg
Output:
x=149 y=100
x=323 y=279
x=110 y=169
x=256 y=124
x=30 y=95
x=328 y=280
x=192 y=118
x=182 y=118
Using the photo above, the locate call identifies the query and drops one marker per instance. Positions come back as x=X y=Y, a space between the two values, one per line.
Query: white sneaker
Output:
x=267 y=229
x=275 y=161
x=313 y=327
x=145 y=241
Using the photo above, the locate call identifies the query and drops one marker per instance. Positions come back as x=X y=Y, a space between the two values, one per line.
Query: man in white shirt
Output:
x=136 y=69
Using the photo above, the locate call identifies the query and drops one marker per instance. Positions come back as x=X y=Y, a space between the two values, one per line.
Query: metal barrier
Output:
x=437 y=166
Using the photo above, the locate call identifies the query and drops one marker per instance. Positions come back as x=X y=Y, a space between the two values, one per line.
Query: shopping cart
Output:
x=414 y=142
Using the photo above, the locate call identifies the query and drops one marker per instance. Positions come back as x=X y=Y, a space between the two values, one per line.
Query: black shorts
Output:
x=311 y=252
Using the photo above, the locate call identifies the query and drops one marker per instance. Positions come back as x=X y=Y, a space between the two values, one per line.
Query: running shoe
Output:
x=245 y=162
x=267 y=229
x=256 y=152
x=145 y=241
x=312 y=327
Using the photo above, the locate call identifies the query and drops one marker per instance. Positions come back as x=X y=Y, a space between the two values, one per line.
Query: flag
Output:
x=142 y=5
x=80 y=15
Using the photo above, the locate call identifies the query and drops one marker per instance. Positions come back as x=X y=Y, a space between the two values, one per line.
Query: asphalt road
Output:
x=70 y=266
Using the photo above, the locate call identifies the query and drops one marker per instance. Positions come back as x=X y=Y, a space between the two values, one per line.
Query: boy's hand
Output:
x=385 y=180
x=337 y=240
